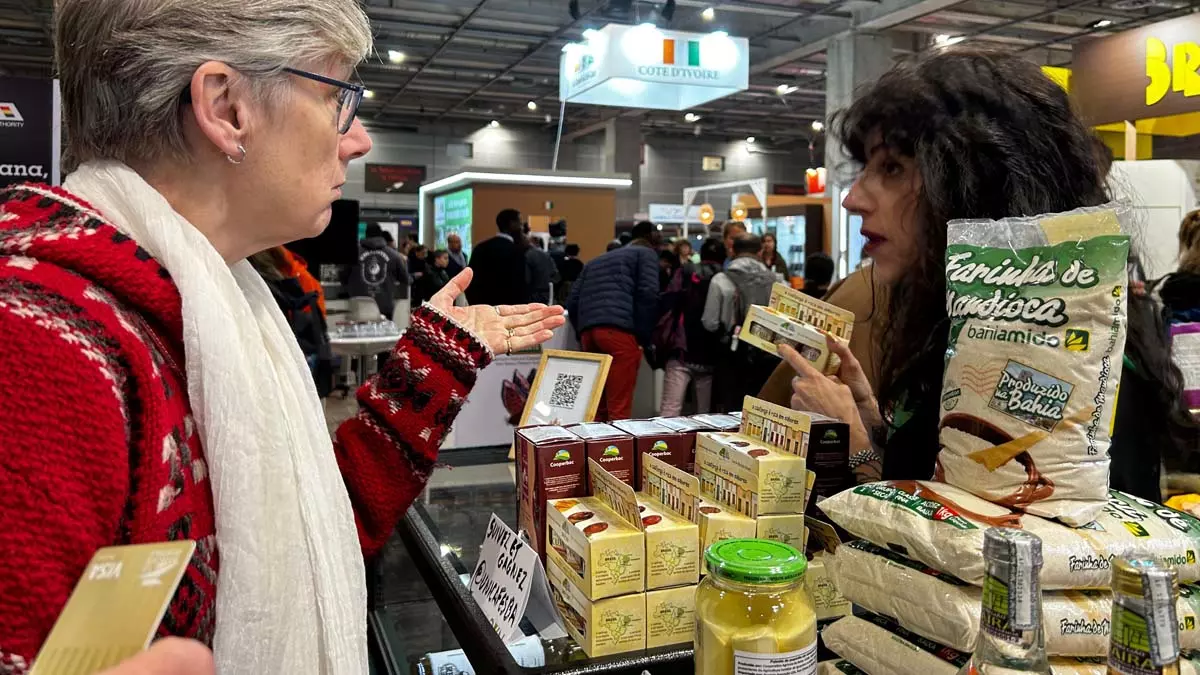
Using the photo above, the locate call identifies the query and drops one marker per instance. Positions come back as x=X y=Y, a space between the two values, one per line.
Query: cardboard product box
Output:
x=804 y=308
x=608 y=445
x=656 y=440
x=670 y=616
x=749 y=476
x=720 y=421
x=689 y=427
x=781 y=428
x=765 y=328
x=550 y=465
x=829 y=456
x=601 y=627
x=604 y=554
x=672 y=545
x=828 y=601
x=718 y=524
x=785 y=527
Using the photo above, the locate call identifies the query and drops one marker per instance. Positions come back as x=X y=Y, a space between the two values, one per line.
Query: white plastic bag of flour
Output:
x=942 y=526
x=879 y=646
x=945 y=609
x=1037 y=335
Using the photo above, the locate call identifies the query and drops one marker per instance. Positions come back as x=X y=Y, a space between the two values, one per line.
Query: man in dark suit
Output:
x=499 y=264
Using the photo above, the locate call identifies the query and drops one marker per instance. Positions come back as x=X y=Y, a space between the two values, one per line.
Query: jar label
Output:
x=799 y=662
x=1129 y=650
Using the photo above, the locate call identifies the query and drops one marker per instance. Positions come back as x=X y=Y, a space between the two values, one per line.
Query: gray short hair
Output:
x=124 y=64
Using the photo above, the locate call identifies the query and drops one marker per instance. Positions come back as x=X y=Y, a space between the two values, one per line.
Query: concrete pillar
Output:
x=623 y=154
x=853 y=61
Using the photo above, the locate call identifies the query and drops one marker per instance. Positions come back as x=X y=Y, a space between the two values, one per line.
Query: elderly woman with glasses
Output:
x=152 y=390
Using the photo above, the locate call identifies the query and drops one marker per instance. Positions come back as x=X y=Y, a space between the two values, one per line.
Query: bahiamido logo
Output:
x=681 y=59
x=10 y=116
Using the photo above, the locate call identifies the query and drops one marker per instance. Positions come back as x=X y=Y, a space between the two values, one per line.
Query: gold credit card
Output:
x=115 y=609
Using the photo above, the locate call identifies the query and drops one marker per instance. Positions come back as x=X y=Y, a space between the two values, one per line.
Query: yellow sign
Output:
x=1183 y=78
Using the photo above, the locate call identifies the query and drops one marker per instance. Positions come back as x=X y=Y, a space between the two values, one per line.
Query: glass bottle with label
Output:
x=753 y=613
x=1011 y=639
x=1145 y=630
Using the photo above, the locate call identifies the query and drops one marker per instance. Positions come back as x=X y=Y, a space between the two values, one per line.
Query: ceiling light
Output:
x=395 y=56
x=591 y=34
x=1102 y=23
x=818 y=126
x=532 y=105
x=367 y=93
x=750 y=140
x=944 y=40
x=708 y=14
x=696 y=130
x=494 y=124
x=785 y=89
x=691 y=117
x=548 y=118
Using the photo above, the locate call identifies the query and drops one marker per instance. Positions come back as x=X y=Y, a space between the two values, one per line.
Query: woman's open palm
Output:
x=504 y=328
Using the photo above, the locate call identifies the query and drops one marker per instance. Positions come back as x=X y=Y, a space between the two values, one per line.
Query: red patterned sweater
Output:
x=97 y=442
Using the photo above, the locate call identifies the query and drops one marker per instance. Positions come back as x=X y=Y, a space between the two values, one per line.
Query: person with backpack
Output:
x=691 y=350
x=739 y=369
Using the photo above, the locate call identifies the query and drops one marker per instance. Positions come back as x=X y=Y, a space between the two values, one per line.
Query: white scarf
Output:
x=291 y=595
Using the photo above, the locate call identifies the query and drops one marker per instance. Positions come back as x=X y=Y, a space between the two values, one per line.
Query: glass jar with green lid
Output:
x=753 y=613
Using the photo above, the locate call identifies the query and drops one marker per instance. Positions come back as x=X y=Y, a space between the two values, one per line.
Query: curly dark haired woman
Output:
x=972 y=134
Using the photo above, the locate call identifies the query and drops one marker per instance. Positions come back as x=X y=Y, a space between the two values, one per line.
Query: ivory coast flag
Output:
x=677 y=51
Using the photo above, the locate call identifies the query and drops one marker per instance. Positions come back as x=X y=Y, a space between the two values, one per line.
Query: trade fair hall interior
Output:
x=578 y=336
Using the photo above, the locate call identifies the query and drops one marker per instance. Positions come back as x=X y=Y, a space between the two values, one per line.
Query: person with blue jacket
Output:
x=613 y=307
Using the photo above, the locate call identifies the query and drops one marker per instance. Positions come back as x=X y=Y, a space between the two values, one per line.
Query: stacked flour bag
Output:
x=1037 y=312
x=918 y=565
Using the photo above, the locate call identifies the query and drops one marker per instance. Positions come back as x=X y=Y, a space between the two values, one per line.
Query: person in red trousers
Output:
x=151 y=388
x=613 y=307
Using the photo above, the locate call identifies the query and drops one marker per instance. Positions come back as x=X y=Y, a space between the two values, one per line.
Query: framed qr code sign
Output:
x=567 y=388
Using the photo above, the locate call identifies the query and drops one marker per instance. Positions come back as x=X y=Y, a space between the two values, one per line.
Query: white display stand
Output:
x=757 y=185
x=1163 y=191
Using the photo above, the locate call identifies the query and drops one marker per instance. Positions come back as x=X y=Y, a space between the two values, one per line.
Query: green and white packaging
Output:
x=1037 y=312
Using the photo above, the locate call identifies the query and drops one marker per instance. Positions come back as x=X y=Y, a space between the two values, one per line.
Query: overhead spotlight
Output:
x=395 y=56
x=750 y=140
x=696 y=130
x=668 y=11
x=532 y=105
x=944 y=40
x=785 y=89
x=691 y=117
x=368 y=93
x=494 y=124
x=1102 y=23
x=708 y=14
x=548 y=118
x=818 y=126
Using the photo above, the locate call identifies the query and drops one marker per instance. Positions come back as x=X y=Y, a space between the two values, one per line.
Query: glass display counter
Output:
x=420 y=603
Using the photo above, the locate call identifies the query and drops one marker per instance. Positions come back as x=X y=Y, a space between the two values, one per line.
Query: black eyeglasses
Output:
x=349 y=98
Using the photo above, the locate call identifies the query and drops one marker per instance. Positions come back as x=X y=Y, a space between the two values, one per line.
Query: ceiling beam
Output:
x=816 y=37
x=436 y=53
x=519 y=62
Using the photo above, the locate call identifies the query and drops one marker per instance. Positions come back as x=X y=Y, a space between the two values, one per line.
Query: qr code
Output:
x=566 y=390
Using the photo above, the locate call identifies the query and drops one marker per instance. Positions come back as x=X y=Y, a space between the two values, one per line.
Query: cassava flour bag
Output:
x=1037 y=335
x=945 y=609
x=942 y=526
x=878 y=646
